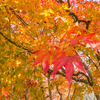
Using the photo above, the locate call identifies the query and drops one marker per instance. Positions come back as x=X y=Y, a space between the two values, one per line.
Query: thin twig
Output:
x=42 y=88
x=69 y=92
x=26 y=92
x=50 y=94
x=92 y=61
x=59 y=93
x=73 y=93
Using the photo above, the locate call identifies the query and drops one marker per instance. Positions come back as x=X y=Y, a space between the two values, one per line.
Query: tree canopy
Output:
x=49 y=49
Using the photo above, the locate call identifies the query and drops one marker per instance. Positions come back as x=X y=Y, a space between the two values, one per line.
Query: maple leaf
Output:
x=69 y=69
x=43 y=55
x=46 y=63
x=82 y=38
x=94 y=45
x=69 y=32
x=68 y=63
x=87 y=38
x=74 y=41
x=59 y=60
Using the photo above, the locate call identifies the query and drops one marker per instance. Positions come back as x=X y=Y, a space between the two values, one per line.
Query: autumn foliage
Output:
x=50 y=49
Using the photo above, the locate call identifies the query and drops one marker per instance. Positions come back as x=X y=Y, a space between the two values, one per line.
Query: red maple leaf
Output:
x=94 y=45
x=46 y=63
x=68 y=63
x=82 y=39
x=59 y=60
x=43 y=55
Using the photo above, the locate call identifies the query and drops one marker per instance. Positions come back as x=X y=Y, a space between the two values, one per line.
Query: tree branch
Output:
x=73 y=78
x=73 y=93
x=23 y=22
x=92 y=61
x=69 y=92
x=87 y=70
x=43 y=92
x=12 y=42
x=69 y=5
x=98 y=56
x=78 y=73
x=86 y=22
x=50 y=93
x=26 y=92
x=60 y=1
x=59 y=93
x=76 y=19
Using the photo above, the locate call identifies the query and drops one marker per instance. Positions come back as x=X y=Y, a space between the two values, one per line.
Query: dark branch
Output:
x=68 y=1
x=78 y=73
x=75 y=17
x=43 y=92
x=98 y=56
x=15 y=43
x=69 y=92
x=23 y=22
x=76 y=79
x=92 y=61
x=80 y=80
x=86 y=22
x=26 y=92
x=50 y=93
x=59 y=93
x=87 y=70
x=73 y=93
x=60 y=1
